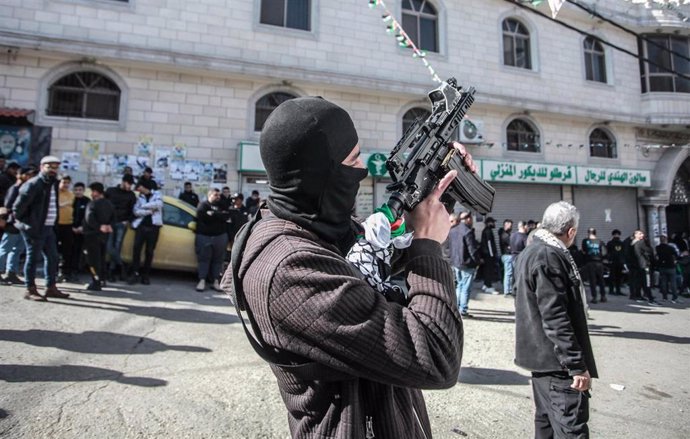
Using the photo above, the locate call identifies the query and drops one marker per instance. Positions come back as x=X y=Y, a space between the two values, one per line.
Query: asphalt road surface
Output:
x=163 y=361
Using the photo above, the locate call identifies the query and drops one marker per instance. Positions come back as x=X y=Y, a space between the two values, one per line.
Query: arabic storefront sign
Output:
x=528 y=172
x=613 y=177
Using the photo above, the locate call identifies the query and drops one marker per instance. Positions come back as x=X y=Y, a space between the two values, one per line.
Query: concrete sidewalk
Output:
x=165 y=361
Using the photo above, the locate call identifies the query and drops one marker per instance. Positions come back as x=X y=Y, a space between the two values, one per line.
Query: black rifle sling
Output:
x=292 y=363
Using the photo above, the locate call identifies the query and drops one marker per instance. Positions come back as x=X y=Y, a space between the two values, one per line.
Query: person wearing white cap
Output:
x=36 y=213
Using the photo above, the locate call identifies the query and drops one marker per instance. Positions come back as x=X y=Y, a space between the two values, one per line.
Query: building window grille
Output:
x=420 y=21
x=87 y=95
x=672 y=55
x=516 y=44
x=522 y=136
x=293 y=14
x=412 y=115
x=595 y=60
x=265 y=106
x=602 y=144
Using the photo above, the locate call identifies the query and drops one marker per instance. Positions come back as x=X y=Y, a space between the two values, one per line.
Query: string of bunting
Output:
x=394 y=27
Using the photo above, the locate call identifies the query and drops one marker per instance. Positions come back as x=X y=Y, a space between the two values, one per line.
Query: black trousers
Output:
x=65 y=242
x=76 y=262
x=615 y=278
x=595 y=274
x=95 y=249
x=641 y=281
x=561 y=412
x=144 y=236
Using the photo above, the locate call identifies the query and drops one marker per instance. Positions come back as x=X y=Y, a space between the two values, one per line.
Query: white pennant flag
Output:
x=555 y=6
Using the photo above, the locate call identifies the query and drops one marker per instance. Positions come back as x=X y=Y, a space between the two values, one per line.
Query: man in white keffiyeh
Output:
x=552 y=339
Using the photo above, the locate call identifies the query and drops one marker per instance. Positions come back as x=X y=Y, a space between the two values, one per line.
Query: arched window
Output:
x=602 y=144
x=411 y=116
x=265 y=106
x=595 y=60
x=87 y=95
x=516 y=44
x=523 y=136
x=420 y=21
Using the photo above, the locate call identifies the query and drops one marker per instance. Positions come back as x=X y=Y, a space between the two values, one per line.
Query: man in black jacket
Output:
x=641 y=270
x=188 y=195
x=506 y=257
x=100 y=216
x=490 y=256
x=79 y=212
x=211 y=240
x=36 y=213
x=7 y=179
x=465 y=258
x=667 y=258
x=615 y=253
x=123 y=200
x=593 y=249
x=552 y=339
x=12 y=243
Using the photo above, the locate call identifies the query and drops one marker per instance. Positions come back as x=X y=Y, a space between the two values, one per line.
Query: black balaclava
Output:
x=303 y=144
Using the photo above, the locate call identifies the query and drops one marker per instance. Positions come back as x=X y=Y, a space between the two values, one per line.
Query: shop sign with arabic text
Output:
x=613 y=177
x=528 y=172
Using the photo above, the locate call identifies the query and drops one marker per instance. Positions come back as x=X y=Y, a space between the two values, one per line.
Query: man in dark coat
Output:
x=490 y=256
x=211 y=240
x=123 y=200
x=464 y=258
x=667 y=258
x=354 y=362
x=36 y=213
x=506 y=257
x=641 y=270
x=615 y=254
x=551 y=336
x=98 y=225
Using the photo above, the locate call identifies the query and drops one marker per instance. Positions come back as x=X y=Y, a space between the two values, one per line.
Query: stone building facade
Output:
x=202 y=75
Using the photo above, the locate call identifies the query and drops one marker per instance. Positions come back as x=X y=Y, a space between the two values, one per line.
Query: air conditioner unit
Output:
x=471 y=131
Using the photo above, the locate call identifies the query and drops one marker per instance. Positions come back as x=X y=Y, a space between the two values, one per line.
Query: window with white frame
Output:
x=420 y=21
x=265 y=106
x=522 y=136
x=670 y=52
x=86 y=95
x=412 y=115
x=516 y=44
x=602 y=144
x=293 y=14
x=595 y=60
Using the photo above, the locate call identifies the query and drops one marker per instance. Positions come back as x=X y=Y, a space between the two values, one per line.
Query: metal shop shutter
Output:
x=522 y=201
x=605 y=209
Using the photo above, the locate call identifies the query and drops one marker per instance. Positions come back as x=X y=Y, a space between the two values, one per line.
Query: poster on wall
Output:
x=15 y=143
x=119 y=162
x=193 y=170
x=101 y=165
x=177 y=170
x=159 y=176
x=144 y=146
x=140 y=163
x=220 y=173
x=91 y=149
x=162 y=157
x=179 y=151
x=70 y=161
x=207 y=173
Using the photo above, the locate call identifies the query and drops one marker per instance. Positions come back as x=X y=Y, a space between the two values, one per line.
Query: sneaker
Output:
x=674 y=301
x=484 y=288
x=639 y=300
x=52 y=291
x=201 y=286
x=604 y=300
x=32 y=294
x=216 y=285
x=94 y=286
x=13 y=279
x=653 y=303
x=466 y=315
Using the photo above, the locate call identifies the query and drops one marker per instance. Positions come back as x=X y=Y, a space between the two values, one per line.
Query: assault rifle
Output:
x=423 y=156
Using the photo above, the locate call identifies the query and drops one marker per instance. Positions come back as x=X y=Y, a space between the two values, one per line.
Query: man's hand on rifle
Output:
x=466 y=156
x=430 y=219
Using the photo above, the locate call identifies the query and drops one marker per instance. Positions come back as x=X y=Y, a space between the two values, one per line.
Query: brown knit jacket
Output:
x=371 y=356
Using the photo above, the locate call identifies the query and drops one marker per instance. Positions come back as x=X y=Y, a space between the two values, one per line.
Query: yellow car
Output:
x=175 y=247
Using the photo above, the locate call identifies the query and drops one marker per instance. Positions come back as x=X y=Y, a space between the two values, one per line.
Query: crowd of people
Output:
x=604 y=265
x=44 y=217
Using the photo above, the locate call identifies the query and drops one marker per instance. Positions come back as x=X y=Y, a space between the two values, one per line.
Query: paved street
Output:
x=165 y=361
